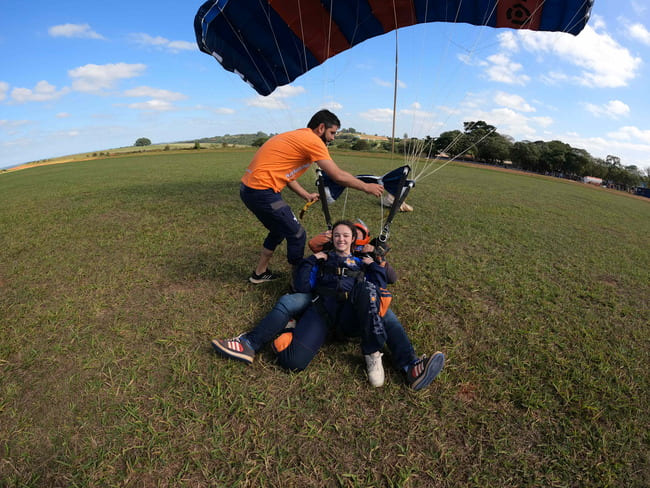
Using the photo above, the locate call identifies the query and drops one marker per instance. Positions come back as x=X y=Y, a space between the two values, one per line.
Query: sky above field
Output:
x=88 y=76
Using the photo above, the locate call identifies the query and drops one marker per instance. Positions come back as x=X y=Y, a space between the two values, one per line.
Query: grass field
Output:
x=115 y=274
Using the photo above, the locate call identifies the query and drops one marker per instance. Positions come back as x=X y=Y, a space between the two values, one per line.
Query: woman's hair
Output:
x=350 y=225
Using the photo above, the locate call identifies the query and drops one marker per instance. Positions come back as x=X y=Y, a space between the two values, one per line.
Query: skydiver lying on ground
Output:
x=293 y=354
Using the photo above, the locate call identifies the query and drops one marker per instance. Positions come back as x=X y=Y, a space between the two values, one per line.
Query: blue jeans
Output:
x=310 y=339
x=287 y=307
x=278 y=218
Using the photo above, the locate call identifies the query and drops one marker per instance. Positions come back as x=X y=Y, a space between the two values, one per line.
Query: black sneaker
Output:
x=424 y=370
x=262 y=278
x=235 y=348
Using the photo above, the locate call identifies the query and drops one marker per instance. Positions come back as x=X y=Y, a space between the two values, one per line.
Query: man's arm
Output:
x=297 y=188
x=344 y=178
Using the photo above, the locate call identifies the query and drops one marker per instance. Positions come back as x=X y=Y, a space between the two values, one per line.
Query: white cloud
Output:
x=638 y=6
x=378 y=115
x=332 y=105
x=388 y=84
x=95 y=78
x=415 y=111
x=629 y=133
x=502 y=69
x=603 y=61
x=82 y=31
x=613 y=109
x=543 y=121
x=382 y=83
x=554 y=78
x=62 y=115
x=640 y=33
x=507 y=122
x=512 y=101
x=162 y=43
x=11 y=124
x=4 y=88
x=152 y=105
x=42 y=92
x=224 y=111
x=276 y=99
x=157 y=93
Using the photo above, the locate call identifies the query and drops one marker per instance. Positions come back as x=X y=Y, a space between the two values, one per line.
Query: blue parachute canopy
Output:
x=269 y=43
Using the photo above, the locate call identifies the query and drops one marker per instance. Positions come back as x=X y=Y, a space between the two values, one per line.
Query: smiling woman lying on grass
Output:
x=342 y=294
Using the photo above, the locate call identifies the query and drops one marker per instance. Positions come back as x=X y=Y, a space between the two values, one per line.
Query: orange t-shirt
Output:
x=283 y=158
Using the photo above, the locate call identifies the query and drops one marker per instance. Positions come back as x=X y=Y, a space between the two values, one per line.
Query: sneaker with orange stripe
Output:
x=235 y=348
x=423 y=371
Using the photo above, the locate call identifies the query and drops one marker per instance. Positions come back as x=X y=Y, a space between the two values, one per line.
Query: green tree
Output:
x=259 y=141
x=360 y=145
x=450 y=142
x=476 y=134
x=143 y=141
x=494 y=148
x=525 y=155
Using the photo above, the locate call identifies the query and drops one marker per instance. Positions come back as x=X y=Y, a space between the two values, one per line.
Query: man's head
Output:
x=324 y=124
x=363 y=235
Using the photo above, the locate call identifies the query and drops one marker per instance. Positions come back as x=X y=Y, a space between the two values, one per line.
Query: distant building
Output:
x=369 y=138
x=592 y=180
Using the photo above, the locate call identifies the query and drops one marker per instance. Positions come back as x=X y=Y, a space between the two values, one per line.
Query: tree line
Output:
x=480 y=142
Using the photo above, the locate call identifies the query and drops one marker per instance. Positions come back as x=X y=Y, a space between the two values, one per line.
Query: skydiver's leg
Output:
x=264 y=260
x=278 y=218
x=287 y=307
x=305 y=341
x=365 y=321
x=398 y=342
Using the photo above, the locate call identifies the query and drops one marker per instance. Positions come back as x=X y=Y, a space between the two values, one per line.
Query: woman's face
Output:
x=342 y=237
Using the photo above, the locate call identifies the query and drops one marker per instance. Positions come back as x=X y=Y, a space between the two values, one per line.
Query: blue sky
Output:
x=88 y=76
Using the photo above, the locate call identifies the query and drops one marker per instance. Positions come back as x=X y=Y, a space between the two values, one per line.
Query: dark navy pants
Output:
x=278 y=218
x=309 y=341
x=352 y=319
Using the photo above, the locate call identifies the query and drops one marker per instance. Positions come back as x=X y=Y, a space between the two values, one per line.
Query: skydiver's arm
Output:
x=344 y=178
x=295 y=187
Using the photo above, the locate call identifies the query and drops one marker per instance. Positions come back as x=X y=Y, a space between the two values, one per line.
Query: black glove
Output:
x=381 y=248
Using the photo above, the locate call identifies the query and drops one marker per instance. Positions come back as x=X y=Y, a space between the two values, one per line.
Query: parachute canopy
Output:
x=269 y=43
x=395 y=182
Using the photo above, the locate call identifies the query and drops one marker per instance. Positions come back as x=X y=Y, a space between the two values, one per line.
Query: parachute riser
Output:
x=405 y=188
x=322 y=196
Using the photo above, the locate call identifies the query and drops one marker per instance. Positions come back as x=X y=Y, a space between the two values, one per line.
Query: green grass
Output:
x=116 y=273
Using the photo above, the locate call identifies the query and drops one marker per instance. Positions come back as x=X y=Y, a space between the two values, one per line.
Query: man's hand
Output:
x=374 y=189
x=381 y=247
x=312 y=197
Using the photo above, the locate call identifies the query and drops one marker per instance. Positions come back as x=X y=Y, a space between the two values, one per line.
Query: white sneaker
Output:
x=375 y=369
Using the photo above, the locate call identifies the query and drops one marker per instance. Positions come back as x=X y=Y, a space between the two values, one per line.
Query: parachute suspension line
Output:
x=302 y=34
x=275 y=39
x=419 y=149
x=575 y=20
x=239 y=37
x=421 y=175
x=392 y=148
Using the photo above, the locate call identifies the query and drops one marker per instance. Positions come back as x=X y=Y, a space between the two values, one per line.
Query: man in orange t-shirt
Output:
x=279 y=163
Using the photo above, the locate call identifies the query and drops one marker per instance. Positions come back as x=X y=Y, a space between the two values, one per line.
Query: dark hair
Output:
x=350 y=225
x=324 y=117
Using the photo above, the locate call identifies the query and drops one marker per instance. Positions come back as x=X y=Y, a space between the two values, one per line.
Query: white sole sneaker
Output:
x=375 y=369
